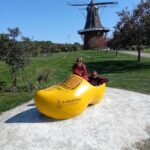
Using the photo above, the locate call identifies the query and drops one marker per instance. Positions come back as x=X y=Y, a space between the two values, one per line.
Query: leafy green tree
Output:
x=16 y=54
x=3 y=45
x=133 y=28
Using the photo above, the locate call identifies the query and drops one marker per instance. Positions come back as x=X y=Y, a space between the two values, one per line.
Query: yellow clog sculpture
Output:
x=68 y=99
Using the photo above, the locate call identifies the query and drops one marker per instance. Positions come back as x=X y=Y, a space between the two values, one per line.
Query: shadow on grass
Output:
x=2 y=84
x=30 y=116
x=116 y=66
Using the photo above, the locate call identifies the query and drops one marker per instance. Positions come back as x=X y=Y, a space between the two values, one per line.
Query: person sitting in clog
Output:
x=96 y=80
x=79 y=68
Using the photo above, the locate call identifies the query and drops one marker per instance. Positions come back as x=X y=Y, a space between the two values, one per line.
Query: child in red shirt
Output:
x=79 y=68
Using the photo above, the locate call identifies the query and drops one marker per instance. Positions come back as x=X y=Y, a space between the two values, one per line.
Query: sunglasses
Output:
x=94 y=73
x=79 y=61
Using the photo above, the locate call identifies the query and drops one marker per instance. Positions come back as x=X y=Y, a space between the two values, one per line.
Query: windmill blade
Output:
x=84 y=15
x=105 y=3
x=102 y=6
x=102 y=11
x=77 y=4
x=82 y=8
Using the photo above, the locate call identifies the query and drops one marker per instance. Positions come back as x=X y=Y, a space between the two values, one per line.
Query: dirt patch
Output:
x=144 y=144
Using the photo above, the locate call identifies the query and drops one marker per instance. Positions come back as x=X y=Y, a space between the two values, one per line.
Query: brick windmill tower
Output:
x=93 y=32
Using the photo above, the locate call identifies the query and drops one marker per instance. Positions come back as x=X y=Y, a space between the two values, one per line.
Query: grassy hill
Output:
x=147 y=50
x=123 y=71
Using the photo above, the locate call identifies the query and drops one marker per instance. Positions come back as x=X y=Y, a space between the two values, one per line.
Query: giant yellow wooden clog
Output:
x=68 y=99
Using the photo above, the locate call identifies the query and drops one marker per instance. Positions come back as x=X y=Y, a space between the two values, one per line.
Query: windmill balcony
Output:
x=93 y=29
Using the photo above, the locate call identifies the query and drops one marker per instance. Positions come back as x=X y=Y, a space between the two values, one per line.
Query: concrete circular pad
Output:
x=120 y=122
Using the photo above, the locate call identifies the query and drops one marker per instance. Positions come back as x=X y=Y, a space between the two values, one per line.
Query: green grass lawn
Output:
x=123 y=71
x=147 y=50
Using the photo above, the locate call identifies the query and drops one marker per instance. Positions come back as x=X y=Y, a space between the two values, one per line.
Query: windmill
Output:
x=93 y=32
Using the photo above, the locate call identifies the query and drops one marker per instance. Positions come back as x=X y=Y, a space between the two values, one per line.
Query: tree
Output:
x=16 y=53
x=133 y=28
x=3 y=45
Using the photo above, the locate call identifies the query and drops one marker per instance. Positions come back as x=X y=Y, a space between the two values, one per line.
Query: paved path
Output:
x=135 y=53
x=120 y=122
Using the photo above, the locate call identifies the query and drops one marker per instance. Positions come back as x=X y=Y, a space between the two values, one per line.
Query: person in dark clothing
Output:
x=96 y=80
x=79 y=68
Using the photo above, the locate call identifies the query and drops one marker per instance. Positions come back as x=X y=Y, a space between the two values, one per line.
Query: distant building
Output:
x=93 y=33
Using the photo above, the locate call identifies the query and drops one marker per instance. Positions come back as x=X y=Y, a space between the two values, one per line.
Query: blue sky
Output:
x=54 y=20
